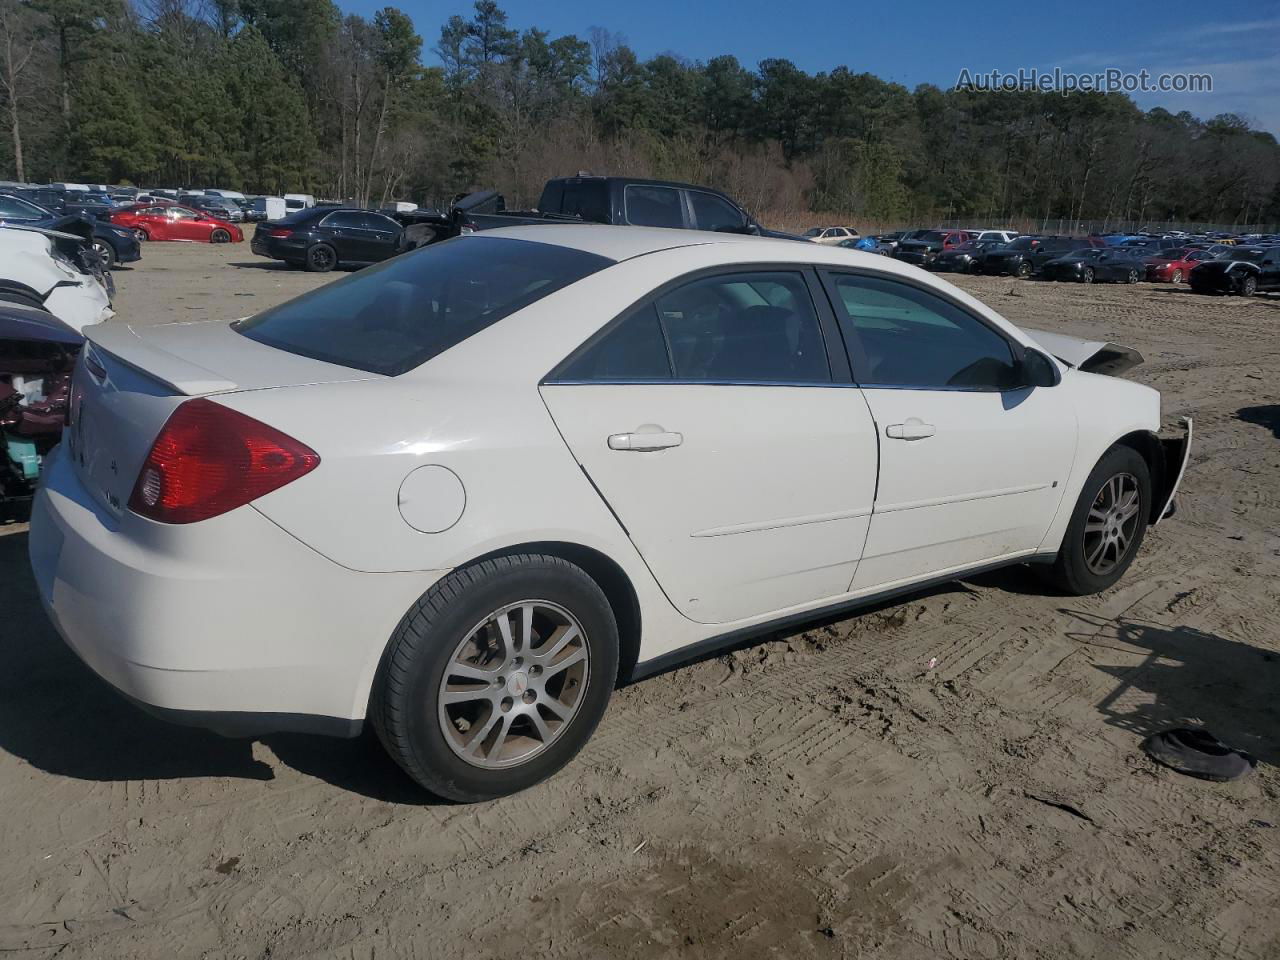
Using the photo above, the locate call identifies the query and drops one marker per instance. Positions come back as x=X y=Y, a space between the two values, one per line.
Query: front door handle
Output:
x=647 y=437
x=913 y=429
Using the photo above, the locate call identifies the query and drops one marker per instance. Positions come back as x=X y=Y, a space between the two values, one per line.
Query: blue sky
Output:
x=929 y=42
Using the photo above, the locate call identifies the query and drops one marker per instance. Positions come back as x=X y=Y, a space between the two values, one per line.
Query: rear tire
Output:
x=451 y=674
x=321 y=258
x=1103 y=536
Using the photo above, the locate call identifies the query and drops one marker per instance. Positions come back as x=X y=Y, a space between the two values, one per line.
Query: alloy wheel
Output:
x=514 y=684
x=1177 y=276
x=1112 y=523
x=1087 y=276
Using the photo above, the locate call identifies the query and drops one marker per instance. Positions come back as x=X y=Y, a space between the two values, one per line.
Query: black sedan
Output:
x=1025 y=256
x=113 y=244
x=962 y=259
x=1242 y=270
x=1097 y=265
x=321 y=238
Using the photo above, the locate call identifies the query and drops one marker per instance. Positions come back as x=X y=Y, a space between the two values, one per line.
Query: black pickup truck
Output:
x=614 y=200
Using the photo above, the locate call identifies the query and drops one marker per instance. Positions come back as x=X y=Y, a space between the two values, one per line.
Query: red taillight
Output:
x=209 y=459
x=281 y=232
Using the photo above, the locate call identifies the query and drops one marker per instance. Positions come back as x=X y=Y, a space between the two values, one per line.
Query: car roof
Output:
x=624 y=243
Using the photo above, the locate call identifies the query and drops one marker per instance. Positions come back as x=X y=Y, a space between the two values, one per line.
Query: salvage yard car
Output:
x=1096 y=265
x=321 y=238
x=463 y=493
x=170 y=221
x=49 y=270
x=1241 y=270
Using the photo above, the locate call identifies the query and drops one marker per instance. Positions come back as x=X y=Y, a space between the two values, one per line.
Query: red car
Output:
x=1174 y=266
x=170 y=221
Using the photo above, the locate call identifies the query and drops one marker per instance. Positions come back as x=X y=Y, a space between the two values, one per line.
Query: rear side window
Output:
x=906 y=337
x=633 y=350
x=745 y=327
x=345 y=219
x=396 y=316
x=653 y=206
x=588 y=200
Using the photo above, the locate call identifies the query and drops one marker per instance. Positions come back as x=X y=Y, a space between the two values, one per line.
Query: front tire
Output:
x=1024 y=270
x=220 y=236
x=1087 y=276
x=1248 y=286
x=497 y=677
x=1107 y=526
x=1132 y=276
x=108 y=255
x=1177 y=277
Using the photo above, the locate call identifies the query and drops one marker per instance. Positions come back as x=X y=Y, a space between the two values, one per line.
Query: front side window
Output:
x=396 y=316
x=902 y=336
x=715 y=213
x=653 y=206
x=179 y=213
x=745 y=327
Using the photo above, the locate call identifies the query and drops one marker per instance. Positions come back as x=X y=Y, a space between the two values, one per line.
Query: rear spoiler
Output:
x=1091 y=356
x=122 y=342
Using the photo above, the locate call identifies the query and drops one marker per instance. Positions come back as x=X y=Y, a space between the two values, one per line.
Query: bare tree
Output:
x=17 y=46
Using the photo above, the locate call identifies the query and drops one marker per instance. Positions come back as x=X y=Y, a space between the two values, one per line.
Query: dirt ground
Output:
x=821 y=794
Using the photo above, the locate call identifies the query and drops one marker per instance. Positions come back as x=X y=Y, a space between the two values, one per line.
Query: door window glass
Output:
x=633 y=350
x=715 y=213
x=745 y=327
x=901 y=336
x=653 y=206
x=344 y=219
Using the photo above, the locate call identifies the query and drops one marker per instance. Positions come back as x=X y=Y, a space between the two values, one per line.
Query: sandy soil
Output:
x=821 y=794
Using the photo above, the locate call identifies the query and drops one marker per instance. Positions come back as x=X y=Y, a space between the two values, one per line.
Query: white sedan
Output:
x=34 y=272
x=466 y=492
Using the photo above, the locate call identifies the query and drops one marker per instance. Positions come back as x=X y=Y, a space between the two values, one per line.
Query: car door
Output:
x=728 y=439
x=1269 y=276
x=972 y=466
x=345 y=230
x=184 y=224
x=382 y=234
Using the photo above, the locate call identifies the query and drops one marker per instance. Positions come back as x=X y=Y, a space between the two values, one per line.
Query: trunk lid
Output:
x=130 y=379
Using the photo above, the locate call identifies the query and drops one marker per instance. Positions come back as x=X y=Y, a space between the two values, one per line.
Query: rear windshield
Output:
x=398 y=315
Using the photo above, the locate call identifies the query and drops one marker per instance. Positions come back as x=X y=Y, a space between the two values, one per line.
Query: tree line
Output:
x=275 y=95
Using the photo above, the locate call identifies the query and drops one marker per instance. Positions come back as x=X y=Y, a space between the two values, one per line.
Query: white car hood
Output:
x=1091 y=356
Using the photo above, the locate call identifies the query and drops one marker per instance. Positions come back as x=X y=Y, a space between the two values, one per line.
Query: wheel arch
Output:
x=1147 y=445
x=608 y=575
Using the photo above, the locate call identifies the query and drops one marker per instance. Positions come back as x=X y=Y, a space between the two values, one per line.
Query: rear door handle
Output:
x=652 y=438
x=913 y=429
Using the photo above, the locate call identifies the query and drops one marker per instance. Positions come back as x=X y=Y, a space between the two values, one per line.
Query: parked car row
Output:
x=1209 y=264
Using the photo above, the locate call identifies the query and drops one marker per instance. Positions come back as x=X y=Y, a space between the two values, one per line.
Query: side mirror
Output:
x=1037 y=370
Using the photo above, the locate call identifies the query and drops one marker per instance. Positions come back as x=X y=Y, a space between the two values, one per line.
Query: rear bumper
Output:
x=278 y=248
x=229 y=624
x=999 y=267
